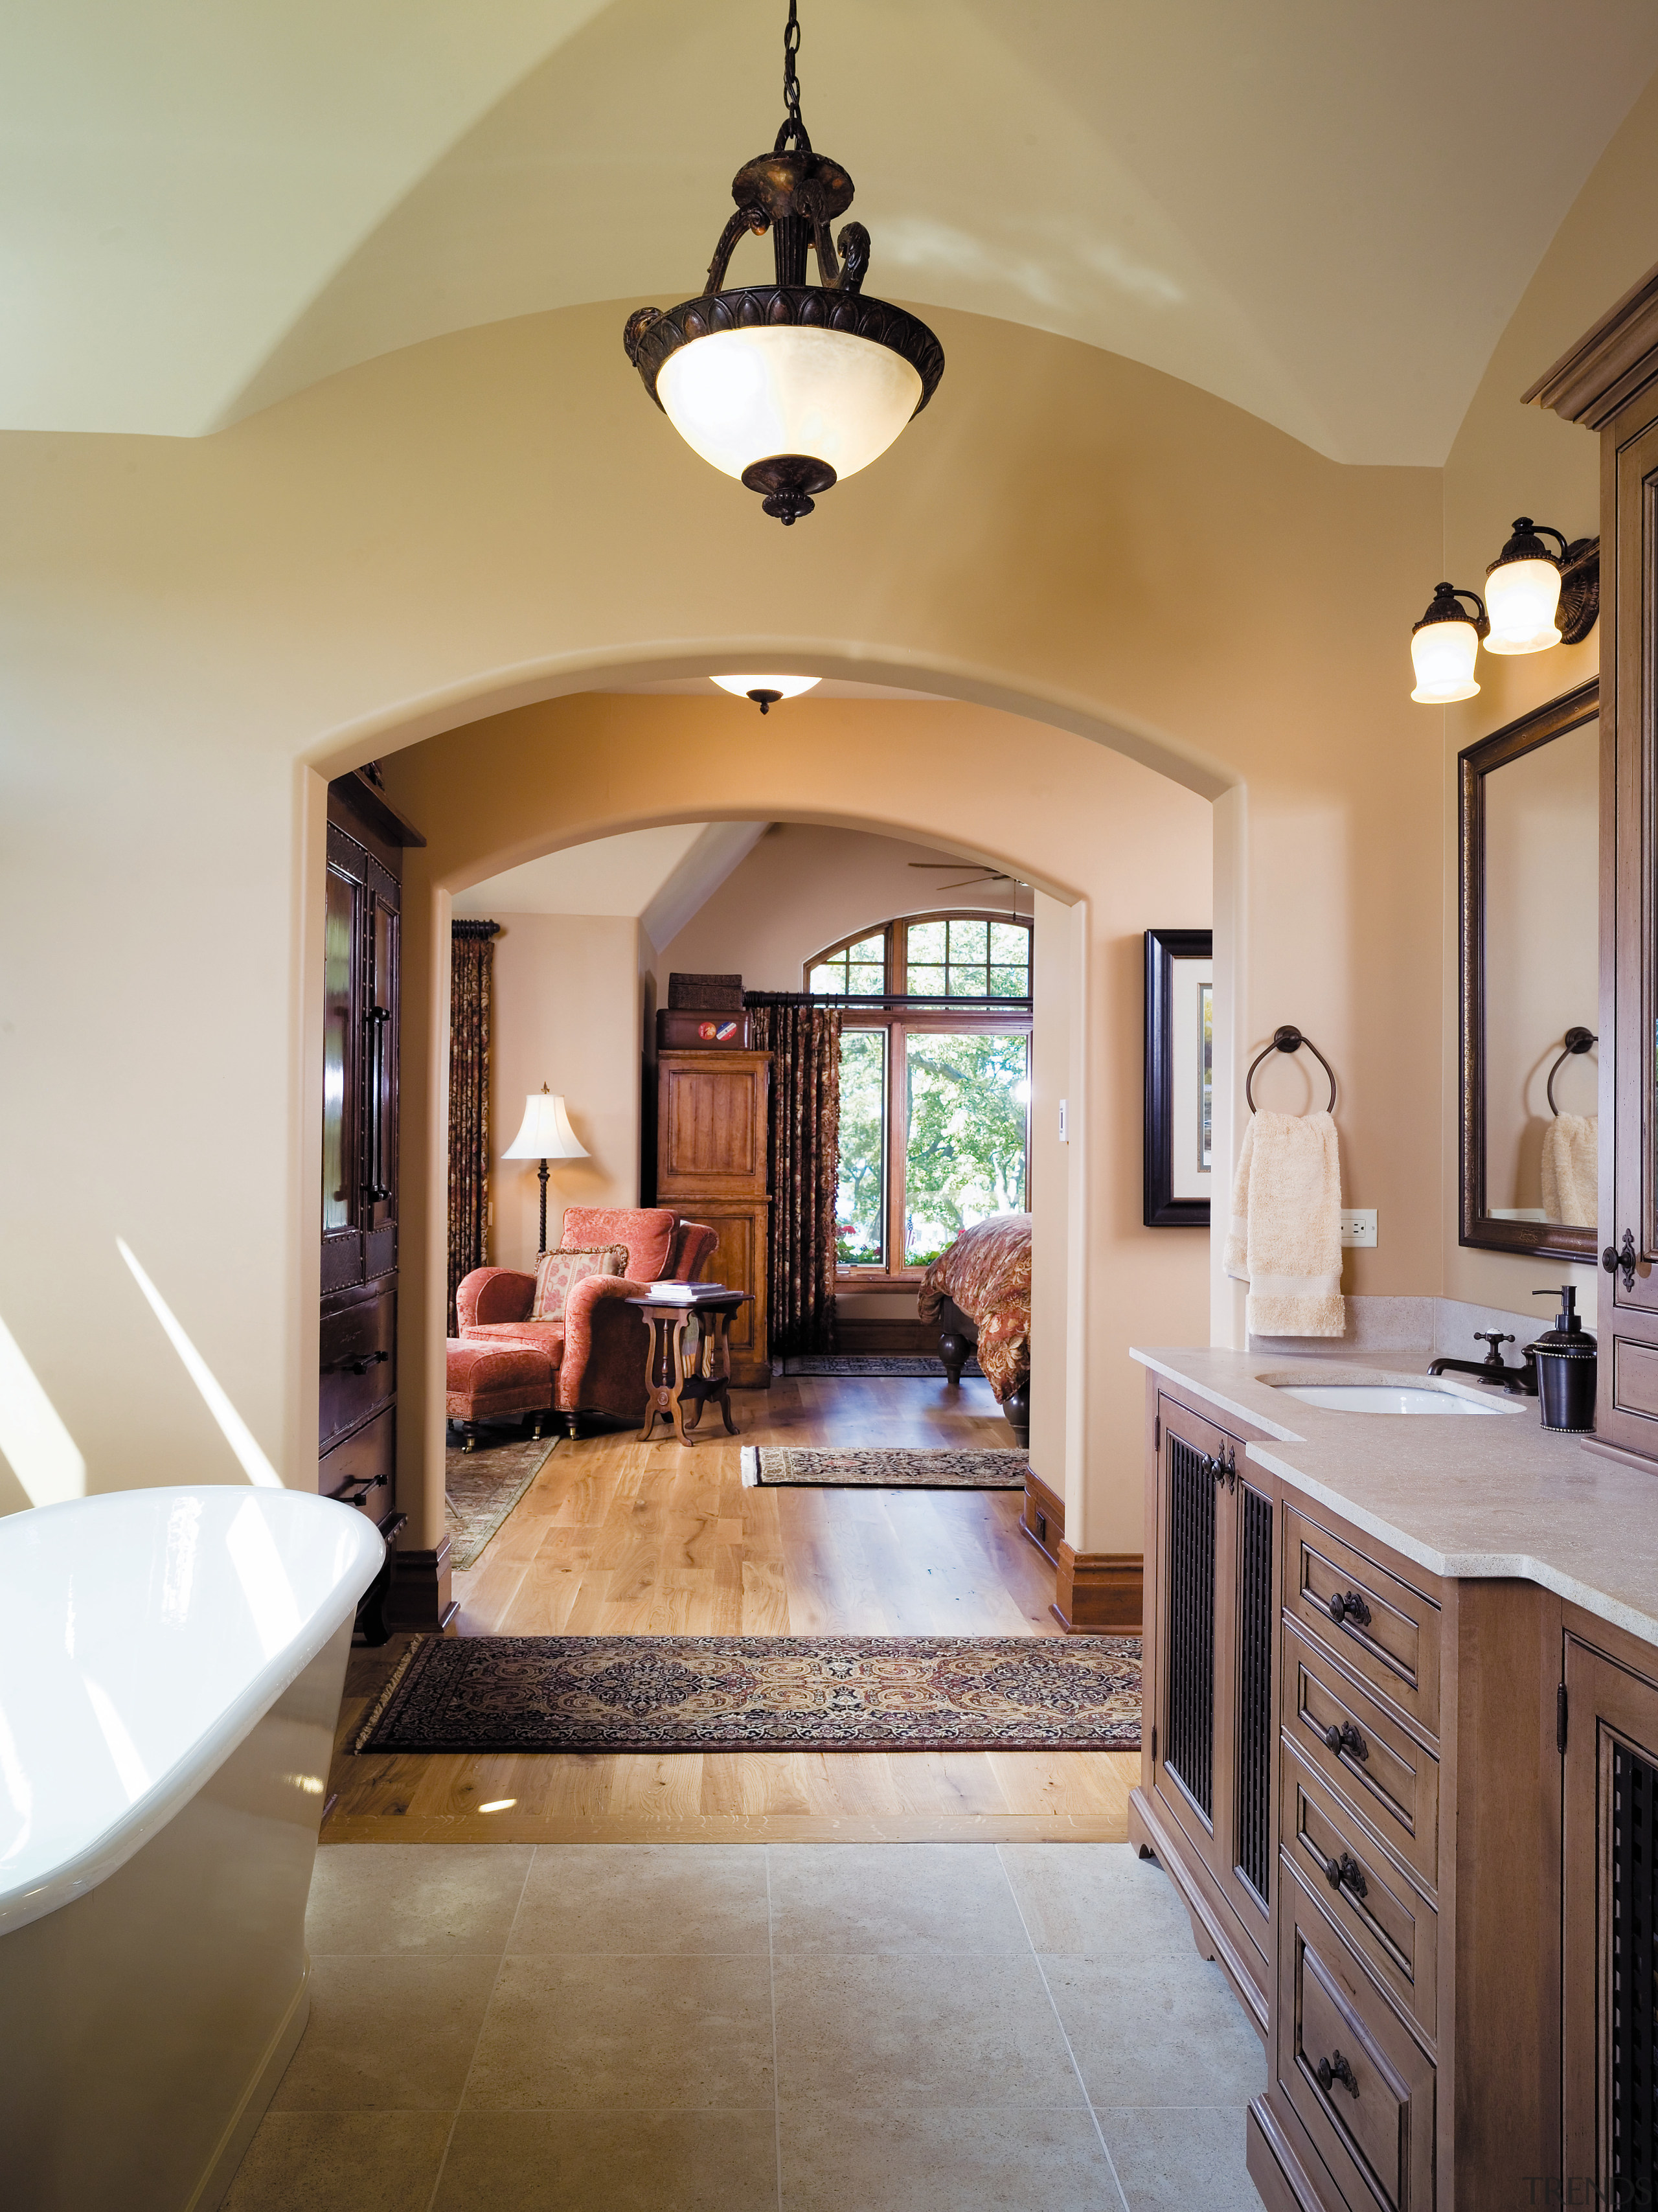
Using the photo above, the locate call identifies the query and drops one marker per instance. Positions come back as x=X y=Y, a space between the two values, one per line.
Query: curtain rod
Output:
x=465 y=929
x=957 y=1003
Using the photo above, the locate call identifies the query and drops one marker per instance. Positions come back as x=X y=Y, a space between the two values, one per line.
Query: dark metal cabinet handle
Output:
x=1222 y=1466
x=1345 y=1738
x=1622 y=1262
x=1348 y=1605
x=1345 y=1873
x=1334 y=2069
x=359 y=1367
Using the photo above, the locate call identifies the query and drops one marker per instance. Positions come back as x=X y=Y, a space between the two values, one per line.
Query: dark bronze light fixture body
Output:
x=800 y=384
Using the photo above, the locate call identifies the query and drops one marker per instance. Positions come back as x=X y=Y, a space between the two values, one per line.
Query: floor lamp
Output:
x=546 y=1135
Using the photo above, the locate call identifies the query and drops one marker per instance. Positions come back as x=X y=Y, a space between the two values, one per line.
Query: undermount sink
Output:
x=1388 y=1398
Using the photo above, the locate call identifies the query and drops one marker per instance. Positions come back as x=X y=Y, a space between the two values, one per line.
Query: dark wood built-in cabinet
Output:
x=357 y=1381
x=712 y=1110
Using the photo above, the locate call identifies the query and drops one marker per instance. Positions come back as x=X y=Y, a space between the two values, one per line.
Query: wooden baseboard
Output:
x=1042 y=1517
x=1099 y=1593
x=898 y=1339
x=420 y=1596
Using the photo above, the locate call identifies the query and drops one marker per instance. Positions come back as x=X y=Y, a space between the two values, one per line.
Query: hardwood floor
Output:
x=617 y=1537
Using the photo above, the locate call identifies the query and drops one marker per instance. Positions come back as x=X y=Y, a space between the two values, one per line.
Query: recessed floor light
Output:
x=500 y=1804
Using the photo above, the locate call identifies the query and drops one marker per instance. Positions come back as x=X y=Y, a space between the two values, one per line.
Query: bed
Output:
x=979 y=1293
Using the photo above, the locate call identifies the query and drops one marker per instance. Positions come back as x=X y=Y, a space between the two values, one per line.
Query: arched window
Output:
x=935 y=1082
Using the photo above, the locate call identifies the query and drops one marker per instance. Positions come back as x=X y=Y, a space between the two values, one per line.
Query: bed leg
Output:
x=1017 y=1407
x=953 y=1351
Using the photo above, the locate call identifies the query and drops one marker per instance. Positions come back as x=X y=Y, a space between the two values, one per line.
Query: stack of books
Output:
x=687 y=1294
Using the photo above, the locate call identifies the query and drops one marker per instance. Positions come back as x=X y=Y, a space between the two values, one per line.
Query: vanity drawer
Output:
x=1395 y=1931
x=1369 y=1761
x=1381 y=1629
x=1350 y=2068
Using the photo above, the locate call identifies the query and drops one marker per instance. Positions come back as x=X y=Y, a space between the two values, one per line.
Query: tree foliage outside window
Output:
x=860 y=1207
x=966 y=1135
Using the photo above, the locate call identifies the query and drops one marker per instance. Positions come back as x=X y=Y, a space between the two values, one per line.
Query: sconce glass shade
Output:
x=741 y=396
x=1442 y=647
x=781 y=687
x=1522 y=593
x=546 y=1134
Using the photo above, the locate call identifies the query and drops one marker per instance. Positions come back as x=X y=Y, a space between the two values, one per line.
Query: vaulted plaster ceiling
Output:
x=659 y=876
x=1322 y=211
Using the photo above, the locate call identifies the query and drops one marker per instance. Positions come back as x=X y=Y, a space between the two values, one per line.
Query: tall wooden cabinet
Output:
x=712 y=1112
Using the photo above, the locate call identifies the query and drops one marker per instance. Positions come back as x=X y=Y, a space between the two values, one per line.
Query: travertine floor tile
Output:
x=340 y=2162
x=907 y=1897
x=611 y=2162
x=1174 y=2035
x=644 y=1897
x=1097 y=1901
x=388 y=2034
x=944 y=2159
x=1173 y=2161
x=626 y=2034
x=918 y=2030
x=415 y=1897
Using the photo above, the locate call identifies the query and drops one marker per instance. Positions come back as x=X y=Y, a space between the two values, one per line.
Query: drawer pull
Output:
x=358 y=1366
x=1345 y=1738
x=1345 y=1873
x=1334 y=2069
x=1348 y=1605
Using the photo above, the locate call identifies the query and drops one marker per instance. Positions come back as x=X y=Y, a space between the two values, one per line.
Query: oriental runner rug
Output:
x=874 y=1362
x=666 y=1693
x=481 y=1488
x=771 y=1466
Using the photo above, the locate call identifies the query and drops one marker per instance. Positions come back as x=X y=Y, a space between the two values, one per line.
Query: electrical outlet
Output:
x=1358 y=1224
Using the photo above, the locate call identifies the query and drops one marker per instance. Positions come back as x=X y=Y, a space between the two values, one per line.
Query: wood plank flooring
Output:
x=620 y=1538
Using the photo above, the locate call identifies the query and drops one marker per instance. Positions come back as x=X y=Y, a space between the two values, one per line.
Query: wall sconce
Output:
x=1443 y=645
x=1534 y=598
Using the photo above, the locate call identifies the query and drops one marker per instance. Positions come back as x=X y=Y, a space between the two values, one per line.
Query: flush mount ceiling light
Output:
x=1526 y=589
x=1443 y=645
x=788 y=387
x=766 y=690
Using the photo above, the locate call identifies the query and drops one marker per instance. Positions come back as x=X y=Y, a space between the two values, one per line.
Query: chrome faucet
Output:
x=1518 y=1382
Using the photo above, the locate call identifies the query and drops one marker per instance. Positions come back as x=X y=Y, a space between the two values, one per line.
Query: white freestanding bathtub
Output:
x=171 y=1665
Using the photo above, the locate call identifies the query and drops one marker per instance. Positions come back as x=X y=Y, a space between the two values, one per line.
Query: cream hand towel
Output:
x=1571 y=1170
x=1284 y=1240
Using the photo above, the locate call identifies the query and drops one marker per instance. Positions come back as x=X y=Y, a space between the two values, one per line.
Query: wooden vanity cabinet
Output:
x=1208 y=1766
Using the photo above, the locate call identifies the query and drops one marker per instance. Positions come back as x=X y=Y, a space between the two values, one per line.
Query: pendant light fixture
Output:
x=1443 y=645
x=788 y=387
x=766 y=690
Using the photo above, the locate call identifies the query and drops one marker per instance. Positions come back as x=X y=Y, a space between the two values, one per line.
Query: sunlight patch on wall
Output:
x=39 y=1449
x=237 y=1434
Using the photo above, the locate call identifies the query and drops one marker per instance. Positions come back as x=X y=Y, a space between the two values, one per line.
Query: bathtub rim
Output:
x=105 y=1853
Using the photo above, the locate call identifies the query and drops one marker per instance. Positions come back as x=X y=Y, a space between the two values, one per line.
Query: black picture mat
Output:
x=1162 y=948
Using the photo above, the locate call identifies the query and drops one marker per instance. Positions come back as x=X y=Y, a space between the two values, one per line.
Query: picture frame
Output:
x=1180 y=974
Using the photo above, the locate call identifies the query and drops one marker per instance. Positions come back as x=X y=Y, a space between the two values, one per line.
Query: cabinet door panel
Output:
x=1184 y=1769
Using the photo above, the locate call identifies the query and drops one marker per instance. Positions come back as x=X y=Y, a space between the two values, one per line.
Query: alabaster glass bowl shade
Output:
x=738 y=396
x=1522 y=597
x=1442 y=653
x=546 y=1134
x=786 y=687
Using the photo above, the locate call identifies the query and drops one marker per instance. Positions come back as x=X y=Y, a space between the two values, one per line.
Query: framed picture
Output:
x=1180 y=1076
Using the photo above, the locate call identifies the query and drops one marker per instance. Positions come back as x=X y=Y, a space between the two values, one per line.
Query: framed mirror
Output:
x=1530 y=871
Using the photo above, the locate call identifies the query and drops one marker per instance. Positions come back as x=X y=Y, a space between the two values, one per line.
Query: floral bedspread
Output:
x=987 y=1271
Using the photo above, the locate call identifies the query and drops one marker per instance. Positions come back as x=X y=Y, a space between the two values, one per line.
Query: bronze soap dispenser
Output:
x=1566 y=1368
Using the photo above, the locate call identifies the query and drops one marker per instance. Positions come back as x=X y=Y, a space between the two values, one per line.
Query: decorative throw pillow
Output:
x=559 y=1272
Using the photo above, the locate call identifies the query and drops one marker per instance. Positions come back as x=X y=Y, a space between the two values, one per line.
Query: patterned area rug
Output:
x=482 y=1485
x=778 y=1466
x=662 y=1693
x=873 y=1363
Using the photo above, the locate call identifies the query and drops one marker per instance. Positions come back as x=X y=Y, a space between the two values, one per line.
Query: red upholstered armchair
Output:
x=598 y=1350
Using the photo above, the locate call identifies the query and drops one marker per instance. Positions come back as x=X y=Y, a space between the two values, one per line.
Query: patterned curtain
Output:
x=472 y=981
x=805 y=1153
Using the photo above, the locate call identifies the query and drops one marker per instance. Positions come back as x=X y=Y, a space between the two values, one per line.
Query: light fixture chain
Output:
x=791 y=80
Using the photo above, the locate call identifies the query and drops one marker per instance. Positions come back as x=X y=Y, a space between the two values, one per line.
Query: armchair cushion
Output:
x=646 y=1230
x=545 y=1337
x=557 y=1272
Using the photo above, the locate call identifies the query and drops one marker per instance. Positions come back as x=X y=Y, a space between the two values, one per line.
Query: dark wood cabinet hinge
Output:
x=1157 y=1433
x=1154 y=1747
x=1560 y=1720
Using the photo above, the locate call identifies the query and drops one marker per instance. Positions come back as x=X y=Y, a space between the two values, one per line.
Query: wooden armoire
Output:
x=711 y=1135
x=357 y=1383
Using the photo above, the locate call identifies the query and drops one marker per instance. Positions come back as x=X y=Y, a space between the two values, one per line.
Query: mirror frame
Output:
x=1545 y=1240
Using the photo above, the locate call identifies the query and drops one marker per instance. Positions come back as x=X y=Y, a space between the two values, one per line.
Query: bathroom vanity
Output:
x=1400 y=1759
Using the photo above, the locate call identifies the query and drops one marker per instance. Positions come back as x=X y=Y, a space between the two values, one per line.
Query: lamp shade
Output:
x=1443 y=648
x=1522 y=593
x=546 y=1134
x=781 y=687
x=736 y=397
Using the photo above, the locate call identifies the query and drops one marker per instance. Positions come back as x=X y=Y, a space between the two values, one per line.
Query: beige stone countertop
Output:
x=1500 y=1496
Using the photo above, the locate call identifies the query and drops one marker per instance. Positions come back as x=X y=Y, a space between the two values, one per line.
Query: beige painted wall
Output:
x=566 y=1013
x=1509 y=460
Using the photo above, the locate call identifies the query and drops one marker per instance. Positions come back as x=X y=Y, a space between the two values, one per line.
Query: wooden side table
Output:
x=671 y=1384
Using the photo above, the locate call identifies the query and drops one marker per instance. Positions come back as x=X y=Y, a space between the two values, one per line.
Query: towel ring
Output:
x=1290 y=1039
x=1577 y=1040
